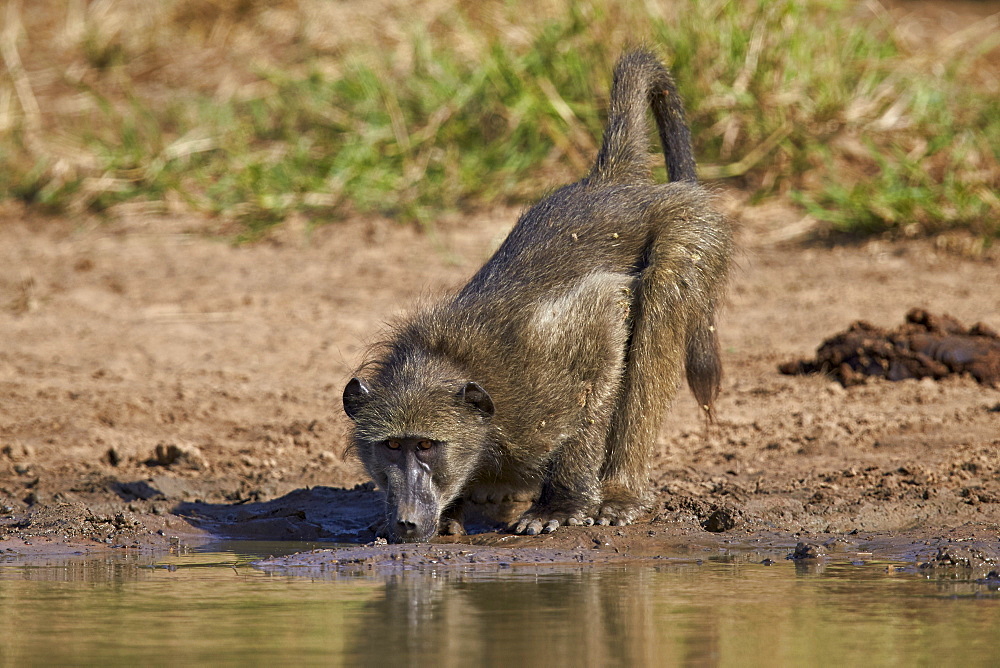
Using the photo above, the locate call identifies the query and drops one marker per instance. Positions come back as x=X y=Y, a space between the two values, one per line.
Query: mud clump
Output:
x=952 y=558
x=925 y=346
x=804 y=551
x=723 y=519
x=170 y=454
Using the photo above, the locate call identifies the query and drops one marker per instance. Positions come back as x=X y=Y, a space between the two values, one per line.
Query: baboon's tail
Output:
x=703 y=364
x=640 y=80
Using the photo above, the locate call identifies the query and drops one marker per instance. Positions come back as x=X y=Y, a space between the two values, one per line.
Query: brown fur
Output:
x=551 y=370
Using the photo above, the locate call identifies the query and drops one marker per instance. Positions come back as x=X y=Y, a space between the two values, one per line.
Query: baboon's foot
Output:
x=620 y=509
x=543 y=520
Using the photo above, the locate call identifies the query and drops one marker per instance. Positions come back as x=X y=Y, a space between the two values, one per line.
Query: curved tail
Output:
x=641 y=80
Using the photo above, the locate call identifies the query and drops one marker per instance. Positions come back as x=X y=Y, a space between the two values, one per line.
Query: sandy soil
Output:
x=160 y=384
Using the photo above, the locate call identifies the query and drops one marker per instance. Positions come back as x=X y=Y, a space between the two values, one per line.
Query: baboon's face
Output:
x=420 y=447
x=413 y=496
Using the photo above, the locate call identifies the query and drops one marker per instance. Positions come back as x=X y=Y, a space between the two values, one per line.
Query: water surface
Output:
x=213 y=607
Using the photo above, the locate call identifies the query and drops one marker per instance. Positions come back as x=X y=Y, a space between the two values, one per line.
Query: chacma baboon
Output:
x=551 y=370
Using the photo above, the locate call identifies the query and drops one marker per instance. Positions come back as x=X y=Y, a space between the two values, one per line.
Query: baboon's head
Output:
x=420 y=442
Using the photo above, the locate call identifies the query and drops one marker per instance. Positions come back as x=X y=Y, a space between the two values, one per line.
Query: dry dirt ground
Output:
x=158 y=384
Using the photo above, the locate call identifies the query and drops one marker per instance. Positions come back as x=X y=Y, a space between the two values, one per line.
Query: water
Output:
x=212 y=607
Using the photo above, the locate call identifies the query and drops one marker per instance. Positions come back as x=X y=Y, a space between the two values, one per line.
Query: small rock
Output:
x=17 y=452
x=722 y=519
x=171 y=454
x=113 y=456
x=807 y=551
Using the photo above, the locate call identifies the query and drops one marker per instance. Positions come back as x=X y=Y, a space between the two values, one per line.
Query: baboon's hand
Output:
x=380 y=528
x=451 y=527
x=538 y=521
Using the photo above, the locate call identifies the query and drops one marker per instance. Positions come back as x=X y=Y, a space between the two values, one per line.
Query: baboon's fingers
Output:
x=452 y=528
x=528 y=526
x=380 y=528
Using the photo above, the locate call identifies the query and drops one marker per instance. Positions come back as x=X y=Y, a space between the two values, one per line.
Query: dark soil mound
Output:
x=925 y=346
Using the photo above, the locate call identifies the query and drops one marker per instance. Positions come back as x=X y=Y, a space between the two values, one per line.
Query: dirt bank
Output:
x=156 y=382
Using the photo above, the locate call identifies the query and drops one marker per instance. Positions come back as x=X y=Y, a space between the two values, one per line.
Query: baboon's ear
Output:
x=473 y=393
x=356 y=395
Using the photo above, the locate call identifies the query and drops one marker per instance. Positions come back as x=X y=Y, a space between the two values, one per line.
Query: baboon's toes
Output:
x=532 y=523
x=619 y=513
x=574 y=521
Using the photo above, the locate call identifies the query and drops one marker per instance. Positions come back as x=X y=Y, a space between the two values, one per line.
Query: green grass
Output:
x=818 y=101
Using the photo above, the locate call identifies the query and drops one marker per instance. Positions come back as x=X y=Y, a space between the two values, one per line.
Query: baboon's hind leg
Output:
x=674 y=293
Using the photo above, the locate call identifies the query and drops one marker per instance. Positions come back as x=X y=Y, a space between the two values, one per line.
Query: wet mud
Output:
x=968 y=554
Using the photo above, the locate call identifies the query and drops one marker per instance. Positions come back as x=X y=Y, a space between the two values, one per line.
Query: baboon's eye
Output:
x=392 y=445
x=424 y=444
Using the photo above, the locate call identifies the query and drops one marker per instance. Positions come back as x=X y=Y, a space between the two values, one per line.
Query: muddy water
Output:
x=214 y=606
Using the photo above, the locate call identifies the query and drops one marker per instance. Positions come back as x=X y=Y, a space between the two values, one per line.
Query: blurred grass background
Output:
x=252 y=110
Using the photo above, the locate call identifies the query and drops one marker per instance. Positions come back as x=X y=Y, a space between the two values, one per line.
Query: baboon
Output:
x=550 y=372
